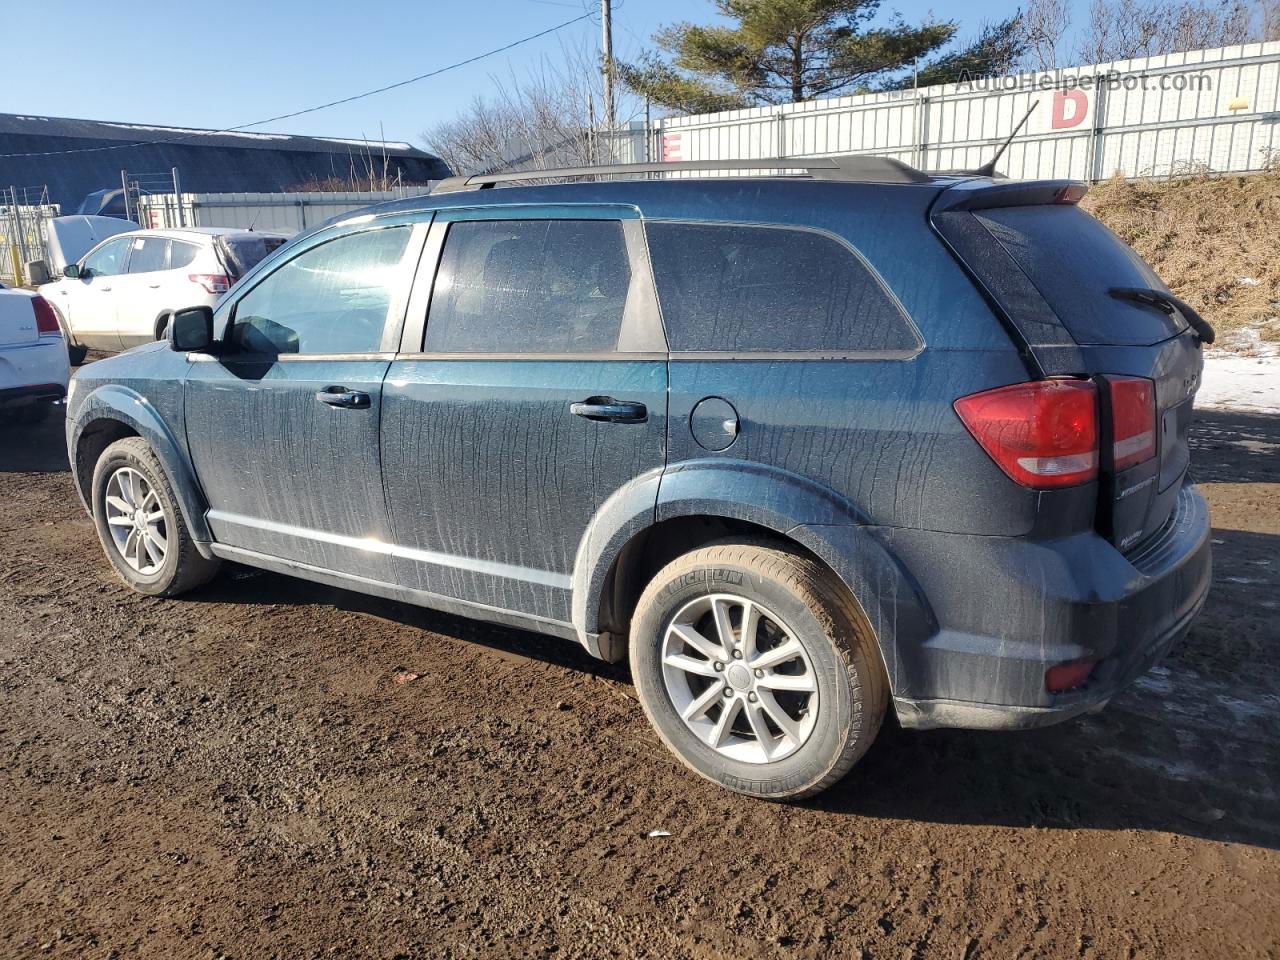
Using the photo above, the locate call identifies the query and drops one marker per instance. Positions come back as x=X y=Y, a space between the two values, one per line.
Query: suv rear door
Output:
x=536 y=392
x=1057 y=273
x=136 y=299
x=282 y=424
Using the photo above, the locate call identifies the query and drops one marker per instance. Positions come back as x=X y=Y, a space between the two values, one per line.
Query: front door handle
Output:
x=609 y=409
x=342 y=397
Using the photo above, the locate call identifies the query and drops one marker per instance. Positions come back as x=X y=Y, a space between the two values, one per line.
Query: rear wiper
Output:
x=1167 y=303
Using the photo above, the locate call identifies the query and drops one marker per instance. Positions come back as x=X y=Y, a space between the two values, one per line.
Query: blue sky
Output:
x=224 y=64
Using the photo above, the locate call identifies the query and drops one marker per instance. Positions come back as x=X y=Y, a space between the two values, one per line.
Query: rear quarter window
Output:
x=1073 y=261
x=761 y=289
x=182 y=254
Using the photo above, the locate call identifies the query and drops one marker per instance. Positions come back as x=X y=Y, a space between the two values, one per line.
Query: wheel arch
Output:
x=113 y=412
x=627 y=545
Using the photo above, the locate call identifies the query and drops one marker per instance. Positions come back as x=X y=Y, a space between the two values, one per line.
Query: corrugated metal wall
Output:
x=1215 y=110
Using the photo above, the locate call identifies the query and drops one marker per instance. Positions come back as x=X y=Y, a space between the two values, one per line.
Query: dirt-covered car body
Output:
x=517 y=404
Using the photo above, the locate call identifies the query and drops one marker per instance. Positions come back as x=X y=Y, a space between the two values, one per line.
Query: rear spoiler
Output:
x=983 y=194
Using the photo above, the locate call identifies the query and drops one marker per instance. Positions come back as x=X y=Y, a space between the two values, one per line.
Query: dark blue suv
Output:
x=804 y=447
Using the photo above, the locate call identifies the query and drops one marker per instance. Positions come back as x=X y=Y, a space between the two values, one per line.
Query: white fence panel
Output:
x=1216 y=110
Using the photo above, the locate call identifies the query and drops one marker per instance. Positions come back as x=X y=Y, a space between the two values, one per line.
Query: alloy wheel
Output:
x=136 y=521
x=740 y=678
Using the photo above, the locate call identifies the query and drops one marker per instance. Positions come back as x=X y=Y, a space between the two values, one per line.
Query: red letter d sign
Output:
x=1069 y=108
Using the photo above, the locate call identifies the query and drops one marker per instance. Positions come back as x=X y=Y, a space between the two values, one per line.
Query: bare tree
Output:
x=1044 y=24
x=545 y=118
x=1269 y=20
x=1124 y=29
x=1197 y=26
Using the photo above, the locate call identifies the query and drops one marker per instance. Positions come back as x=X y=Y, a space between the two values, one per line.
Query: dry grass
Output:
x=1204 y=235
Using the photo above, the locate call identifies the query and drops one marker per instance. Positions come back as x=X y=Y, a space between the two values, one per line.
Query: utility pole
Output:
x=606 y=62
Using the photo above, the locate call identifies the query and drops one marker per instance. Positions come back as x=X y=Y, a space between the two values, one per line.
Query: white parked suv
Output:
x=33 y=357
x=120 y=292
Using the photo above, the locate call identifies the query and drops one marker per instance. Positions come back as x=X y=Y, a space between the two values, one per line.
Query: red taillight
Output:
x=1133 y=420
x=1069 y=676
x=215 y=283
x=46 y=319
x=1043 y=434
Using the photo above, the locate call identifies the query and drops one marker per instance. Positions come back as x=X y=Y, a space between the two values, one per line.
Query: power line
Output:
x=323 y=106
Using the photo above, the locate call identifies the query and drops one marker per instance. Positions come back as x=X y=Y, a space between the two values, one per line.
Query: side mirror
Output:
x=38 y=272
x=190 y=330
x=71 y=271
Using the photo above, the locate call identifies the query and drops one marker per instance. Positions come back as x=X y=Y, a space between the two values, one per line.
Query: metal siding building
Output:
x=68 y=157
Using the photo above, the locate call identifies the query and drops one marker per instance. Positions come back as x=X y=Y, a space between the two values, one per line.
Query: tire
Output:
x=171 y=565
x=797 y=601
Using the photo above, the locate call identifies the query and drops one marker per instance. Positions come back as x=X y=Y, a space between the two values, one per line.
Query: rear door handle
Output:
x=609 y=409
x=342 y=397
x=153 y=286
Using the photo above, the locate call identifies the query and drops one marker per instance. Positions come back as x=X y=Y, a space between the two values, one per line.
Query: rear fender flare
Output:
x=791 y=506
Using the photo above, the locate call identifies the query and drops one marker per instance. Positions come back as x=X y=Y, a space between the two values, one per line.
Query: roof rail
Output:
x=863 y=168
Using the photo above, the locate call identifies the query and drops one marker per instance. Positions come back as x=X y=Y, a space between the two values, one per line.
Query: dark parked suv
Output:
x=803 y=447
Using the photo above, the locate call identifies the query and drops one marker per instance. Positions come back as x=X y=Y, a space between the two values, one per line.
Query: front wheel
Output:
x=758 y=669
x=140 y=526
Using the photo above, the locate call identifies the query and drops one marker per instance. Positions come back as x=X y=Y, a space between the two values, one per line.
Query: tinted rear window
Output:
x=149 y=255
x=748 y=289
x=530 y=286
x=1073 y=260
x=242 y=254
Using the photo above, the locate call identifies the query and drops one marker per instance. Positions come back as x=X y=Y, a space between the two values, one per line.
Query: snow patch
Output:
x=205 y=133
x=372 y=144
x=1233 y=382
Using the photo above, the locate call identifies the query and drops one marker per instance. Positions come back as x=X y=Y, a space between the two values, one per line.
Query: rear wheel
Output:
x=140 y=526
x=758 y=669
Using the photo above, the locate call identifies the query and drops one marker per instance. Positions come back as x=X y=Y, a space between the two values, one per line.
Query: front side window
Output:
x=530 y=286
x=149 y=255
x=332 y=298
x=744 y=289
x=109 y=259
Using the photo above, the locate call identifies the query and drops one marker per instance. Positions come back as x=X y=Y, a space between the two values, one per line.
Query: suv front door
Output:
x=537 y=391
x=88 y=302
x=283 y=423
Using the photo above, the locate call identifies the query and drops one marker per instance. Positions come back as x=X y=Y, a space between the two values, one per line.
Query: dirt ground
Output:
x=237 y=774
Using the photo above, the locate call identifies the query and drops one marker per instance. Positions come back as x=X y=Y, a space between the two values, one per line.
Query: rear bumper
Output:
x=37 y=370
x=1008 y=610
